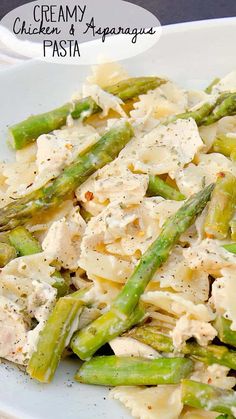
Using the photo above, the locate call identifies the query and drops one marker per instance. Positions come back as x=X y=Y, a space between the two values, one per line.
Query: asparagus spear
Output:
x=199 y=115
x=230 y=247
x=85 y=342
x=55 y=336
x=29 y=130
x=211 y=354
x=85 y=215
x=7 y=253
x=225 y=108
x=102 y=330
x=204 y=396
x=225 y=417
x=225 y=145
x=133 y=371
x=150 y=335
x=208 y=89
x=24 y=242
x=101 y=153
x=157 y=186
x=61 y=284
x=225 y=333
x=221 y=207
x=211 y=111
x=160 y=249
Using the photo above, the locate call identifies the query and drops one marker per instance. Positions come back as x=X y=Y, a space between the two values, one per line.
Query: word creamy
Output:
x=57 y=14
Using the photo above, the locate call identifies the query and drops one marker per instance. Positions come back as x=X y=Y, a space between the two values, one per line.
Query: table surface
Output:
x=167 y=11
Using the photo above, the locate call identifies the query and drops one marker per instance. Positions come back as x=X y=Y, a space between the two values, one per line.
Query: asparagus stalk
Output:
x=131 y=88
x=85 y=215
x=158 y=187
x=230 y=247
x=199 y=115
x=160 y=249
x=225 y=333
x=102 y=330
x=133 y=371
x=55 y=336
x=85 y=342
x=150 y=335
x=7 y=253
x=210 y=112
x=226 y=107
x=29 y=130
x=211 y=354
x=61 y=284
x=204 y=396
x=221 y=207
x=208 y=89
x=24 y=242
x=225 y=417
x=101 y=153
x=225 y=145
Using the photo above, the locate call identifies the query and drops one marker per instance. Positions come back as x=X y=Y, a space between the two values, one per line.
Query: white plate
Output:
x=191 y=54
